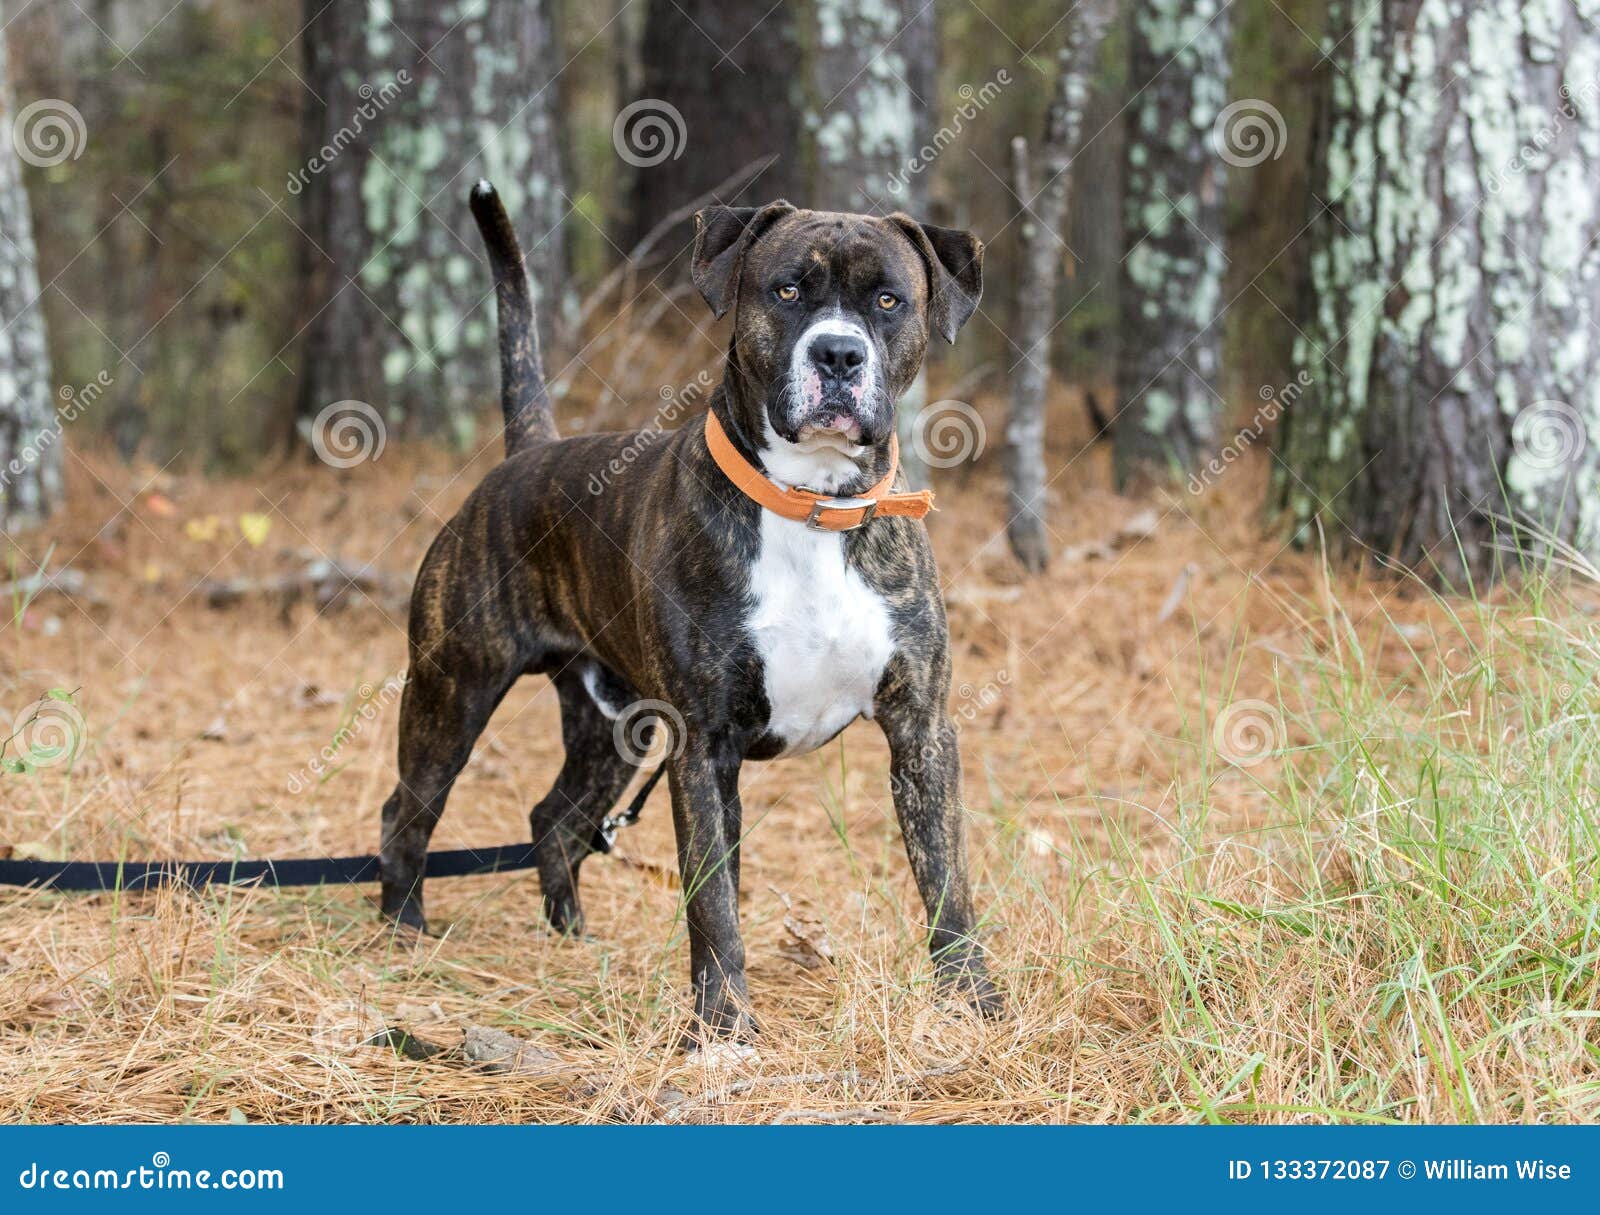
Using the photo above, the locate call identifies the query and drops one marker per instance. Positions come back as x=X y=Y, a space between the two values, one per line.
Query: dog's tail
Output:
x=524 y=400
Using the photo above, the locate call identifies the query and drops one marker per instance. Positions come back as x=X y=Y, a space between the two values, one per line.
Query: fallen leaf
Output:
x=35 y=850
x=254 y=528
x=420 y=1014
x=1095 y=550
x=1141 y=527
x=43 y=998
x=310 y=696
x=203 y=529
x=808 y=944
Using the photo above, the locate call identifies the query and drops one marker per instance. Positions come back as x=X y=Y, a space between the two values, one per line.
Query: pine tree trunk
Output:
x=1171 y=286
x=1455 y=278
x=338 y=360
x=1040 y=233
x=720 y=91
x=445 y=93
x=31 y=451
x=866 y=121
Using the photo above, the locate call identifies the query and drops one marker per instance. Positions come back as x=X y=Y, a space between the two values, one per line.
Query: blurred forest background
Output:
x=1377 y=223
x=182 y=250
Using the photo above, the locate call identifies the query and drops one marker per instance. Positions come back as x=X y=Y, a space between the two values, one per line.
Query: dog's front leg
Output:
x=925 y=778
x=705 y=820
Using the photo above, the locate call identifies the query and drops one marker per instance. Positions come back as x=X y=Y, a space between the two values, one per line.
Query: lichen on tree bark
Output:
x=1171 y=289
x=866 y=118
x=419 y=98
x=481 y=104
x=1450 y=322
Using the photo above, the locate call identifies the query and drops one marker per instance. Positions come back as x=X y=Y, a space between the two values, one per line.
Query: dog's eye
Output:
x=788 y=293
x=888 y=301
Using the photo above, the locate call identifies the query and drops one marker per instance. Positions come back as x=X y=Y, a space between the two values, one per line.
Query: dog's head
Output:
x=832 y=314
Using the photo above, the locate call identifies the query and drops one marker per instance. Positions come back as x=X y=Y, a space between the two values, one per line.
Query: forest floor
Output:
x=1252 y=840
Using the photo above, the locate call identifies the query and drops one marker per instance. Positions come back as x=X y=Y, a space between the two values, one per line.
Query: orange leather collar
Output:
x=820 y=512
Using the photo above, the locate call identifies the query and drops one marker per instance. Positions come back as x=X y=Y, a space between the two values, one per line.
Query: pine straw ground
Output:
x=1383 y=910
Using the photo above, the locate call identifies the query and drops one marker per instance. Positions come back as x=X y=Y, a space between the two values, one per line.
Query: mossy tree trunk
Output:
x=31 y=451
x=1170 y=292
x=866 y=120
x=1450 y=331
x=426 y=98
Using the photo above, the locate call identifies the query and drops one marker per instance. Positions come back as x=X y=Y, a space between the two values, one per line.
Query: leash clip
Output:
x=605 y=836
x=867 y=506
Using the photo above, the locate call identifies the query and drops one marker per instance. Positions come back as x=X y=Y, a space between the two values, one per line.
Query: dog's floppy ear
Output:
x=721 y=237
x=955 y=272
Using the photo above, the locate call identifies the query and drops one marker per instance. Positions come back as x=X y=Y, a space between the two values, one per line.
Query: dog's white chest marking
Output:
x=823 y=634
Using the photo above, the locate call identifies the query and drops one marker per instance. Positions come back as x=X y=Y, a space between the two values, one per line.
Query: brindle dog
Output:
x=756 y=636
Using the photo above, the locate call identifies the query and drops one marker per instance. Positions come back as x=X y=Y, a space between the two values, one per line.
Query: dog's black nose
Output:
x=838 y=356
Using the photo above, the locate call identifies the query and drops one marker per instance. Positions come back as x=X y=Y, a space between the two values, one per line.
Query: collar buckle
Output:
x=867 y=506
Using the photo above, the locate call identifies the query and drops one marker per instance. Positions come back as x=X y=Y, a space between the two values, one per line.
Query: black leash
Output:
x=142 y=875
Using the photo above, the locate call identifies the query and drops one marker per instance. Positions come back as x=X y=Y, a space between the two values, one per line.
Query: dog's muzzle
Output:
x=835 y=388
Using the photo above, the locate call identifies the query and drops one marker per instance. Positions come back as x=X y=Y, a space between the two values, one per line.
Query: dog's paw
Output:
x=570 y=928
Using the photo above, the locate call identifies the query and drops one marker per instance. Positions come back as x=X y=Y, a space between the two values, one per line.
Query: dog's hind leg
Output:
x=566 y=822
x=441 y=716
